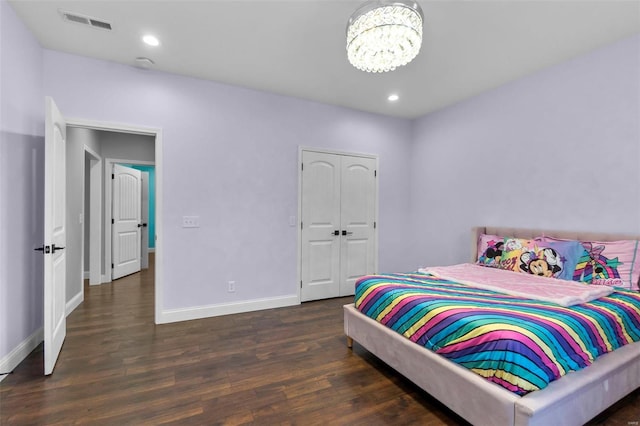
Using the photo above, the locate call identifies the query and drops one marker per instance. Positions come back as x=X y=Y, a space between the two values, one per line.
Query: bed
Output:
x=573 y=399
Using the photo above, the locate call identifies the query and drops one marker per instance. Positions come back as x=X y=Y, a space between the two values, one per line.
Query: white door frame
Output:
x=157 y=134
x=95 y=207
x=375 y=231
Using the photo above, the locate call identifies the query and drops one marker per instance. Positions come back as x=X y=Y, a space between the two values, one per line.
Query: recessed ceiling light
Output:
x=151 y=40
x=393 y=97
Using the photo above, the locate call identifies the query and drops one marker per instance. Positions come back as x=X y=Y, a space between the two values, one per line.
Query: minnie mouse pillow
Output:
x=543 y=258
x=490 y=250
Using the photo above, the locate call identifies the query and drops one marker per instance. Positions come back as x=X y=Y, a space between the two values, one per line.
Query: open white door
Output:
x=55 y=326
x=144 y=247
x=127 y=220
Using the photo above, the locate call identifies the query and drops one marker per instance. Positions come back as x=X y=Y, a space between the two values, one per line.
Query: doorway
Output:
x=98 y=207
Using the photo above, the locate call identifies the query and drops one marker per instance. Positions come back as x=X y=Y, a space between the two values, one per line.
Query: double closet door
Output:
x=338 y=238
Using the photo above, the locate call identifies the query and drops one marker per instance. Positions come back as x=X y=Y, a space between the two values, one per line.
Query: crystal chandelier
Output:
x=384 y=34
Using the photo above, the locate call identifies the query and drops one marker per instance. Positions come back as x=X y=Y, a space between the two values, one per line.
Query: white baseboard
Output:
x=74 y=303
x=186 y=314
x=152 y=250
x=20 y=352
x=86 y=275
x=105 y=279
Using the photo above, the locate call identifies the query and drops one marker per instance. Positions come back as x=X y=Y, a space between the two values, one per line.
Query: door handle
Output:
x=43 y=249
x=54 y=248
x=346 y=233
x=336 y=232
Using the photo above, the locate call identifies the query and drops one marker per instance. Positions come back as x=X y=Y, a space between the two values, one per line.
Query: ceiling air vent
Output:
x=85 y=20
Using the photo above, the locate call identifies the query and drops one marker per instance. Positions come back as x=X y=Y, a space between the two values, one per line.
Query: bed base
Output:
x=571 y=400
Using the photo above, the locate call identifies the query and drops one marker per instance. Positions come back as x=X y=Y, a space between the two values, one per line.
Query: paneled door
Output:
x=357 y=221
x=127 y=220
x=55 y=234
x=338 y=207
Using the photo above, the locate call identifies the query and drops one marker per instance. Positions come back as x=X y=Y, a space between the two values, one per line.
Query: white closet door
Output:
x=320 y=271
x=357 y=218
x=338 y=217
x=127 y=220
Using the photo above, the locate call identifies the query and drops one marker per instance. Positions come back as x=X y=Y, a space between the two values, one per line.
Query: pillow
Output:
x=490 y=250
x=610 y=263
x=553 y=259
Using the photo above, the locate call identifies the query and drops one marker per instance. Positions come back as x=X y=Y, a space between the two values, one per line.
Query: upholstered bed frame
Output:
x=571 y=400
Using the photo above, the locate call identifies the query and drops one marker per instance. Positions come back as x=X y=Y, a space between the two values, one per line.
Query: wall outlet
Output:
x=191 y=221
x=232 y=287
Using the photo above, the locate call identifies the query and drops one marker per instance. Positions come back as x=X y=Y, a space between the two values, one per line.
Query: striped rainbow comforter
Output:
x=518 y=343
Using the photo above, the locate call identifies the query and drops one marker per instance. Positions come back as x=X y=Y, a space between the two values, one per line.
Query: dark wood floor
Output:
x=283 y=366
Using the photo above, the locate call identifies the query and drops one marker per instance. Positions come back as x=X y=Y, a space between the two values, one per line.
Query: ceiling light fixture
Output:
x=151 y=40
x=393 y=97
x=384 y=34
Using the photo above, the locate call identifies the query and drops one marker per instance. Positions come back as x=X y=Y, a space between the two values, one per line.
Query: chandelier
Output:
x=384 y=34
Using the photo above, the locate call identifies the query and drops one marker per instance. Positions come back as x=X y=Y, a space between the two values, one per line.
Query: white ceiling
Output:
x=297 y=47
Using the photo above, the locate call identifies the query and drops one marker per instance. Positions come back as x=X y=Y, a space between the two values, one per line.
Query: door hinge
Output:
x=113 y=222
x=301 y=224
x=113 y=176
x=374 y=225
x=302 y=166
x=375 y=173
x=300 y=283
x=112 y=266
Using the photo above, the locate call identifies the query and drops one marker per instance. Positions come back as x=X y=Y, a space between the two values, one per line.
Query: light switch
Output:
x=191 y=221
x=292 y=221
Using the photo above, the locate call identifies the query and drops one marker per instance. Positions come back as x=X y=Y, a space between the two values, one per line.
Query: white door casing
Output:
x=127 y=220
x=338 y=194
x=55 y=327
x=95 y=212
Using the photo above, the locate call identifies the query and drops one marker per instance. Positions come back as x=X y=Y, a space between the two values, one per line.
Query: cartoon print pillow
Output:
x=544 y=258
x=490 y=250
x=610 y=263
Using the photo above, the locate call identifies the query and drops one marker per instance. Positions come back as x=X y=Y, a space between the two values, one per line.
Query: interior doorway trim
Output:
x=157 y=134
x=302 y=149
x=95 y=212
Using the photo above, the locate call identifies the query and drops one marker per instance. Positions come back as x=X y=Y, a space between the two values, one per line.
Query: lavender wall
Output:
x=21 y=182
x=559 y=149
x=569 y=136
x=230 y=156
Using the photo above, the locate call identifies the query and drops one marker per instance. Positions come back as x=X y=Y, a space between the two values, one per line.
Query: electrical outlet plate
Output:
x=232 y=287
x=190 y=221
